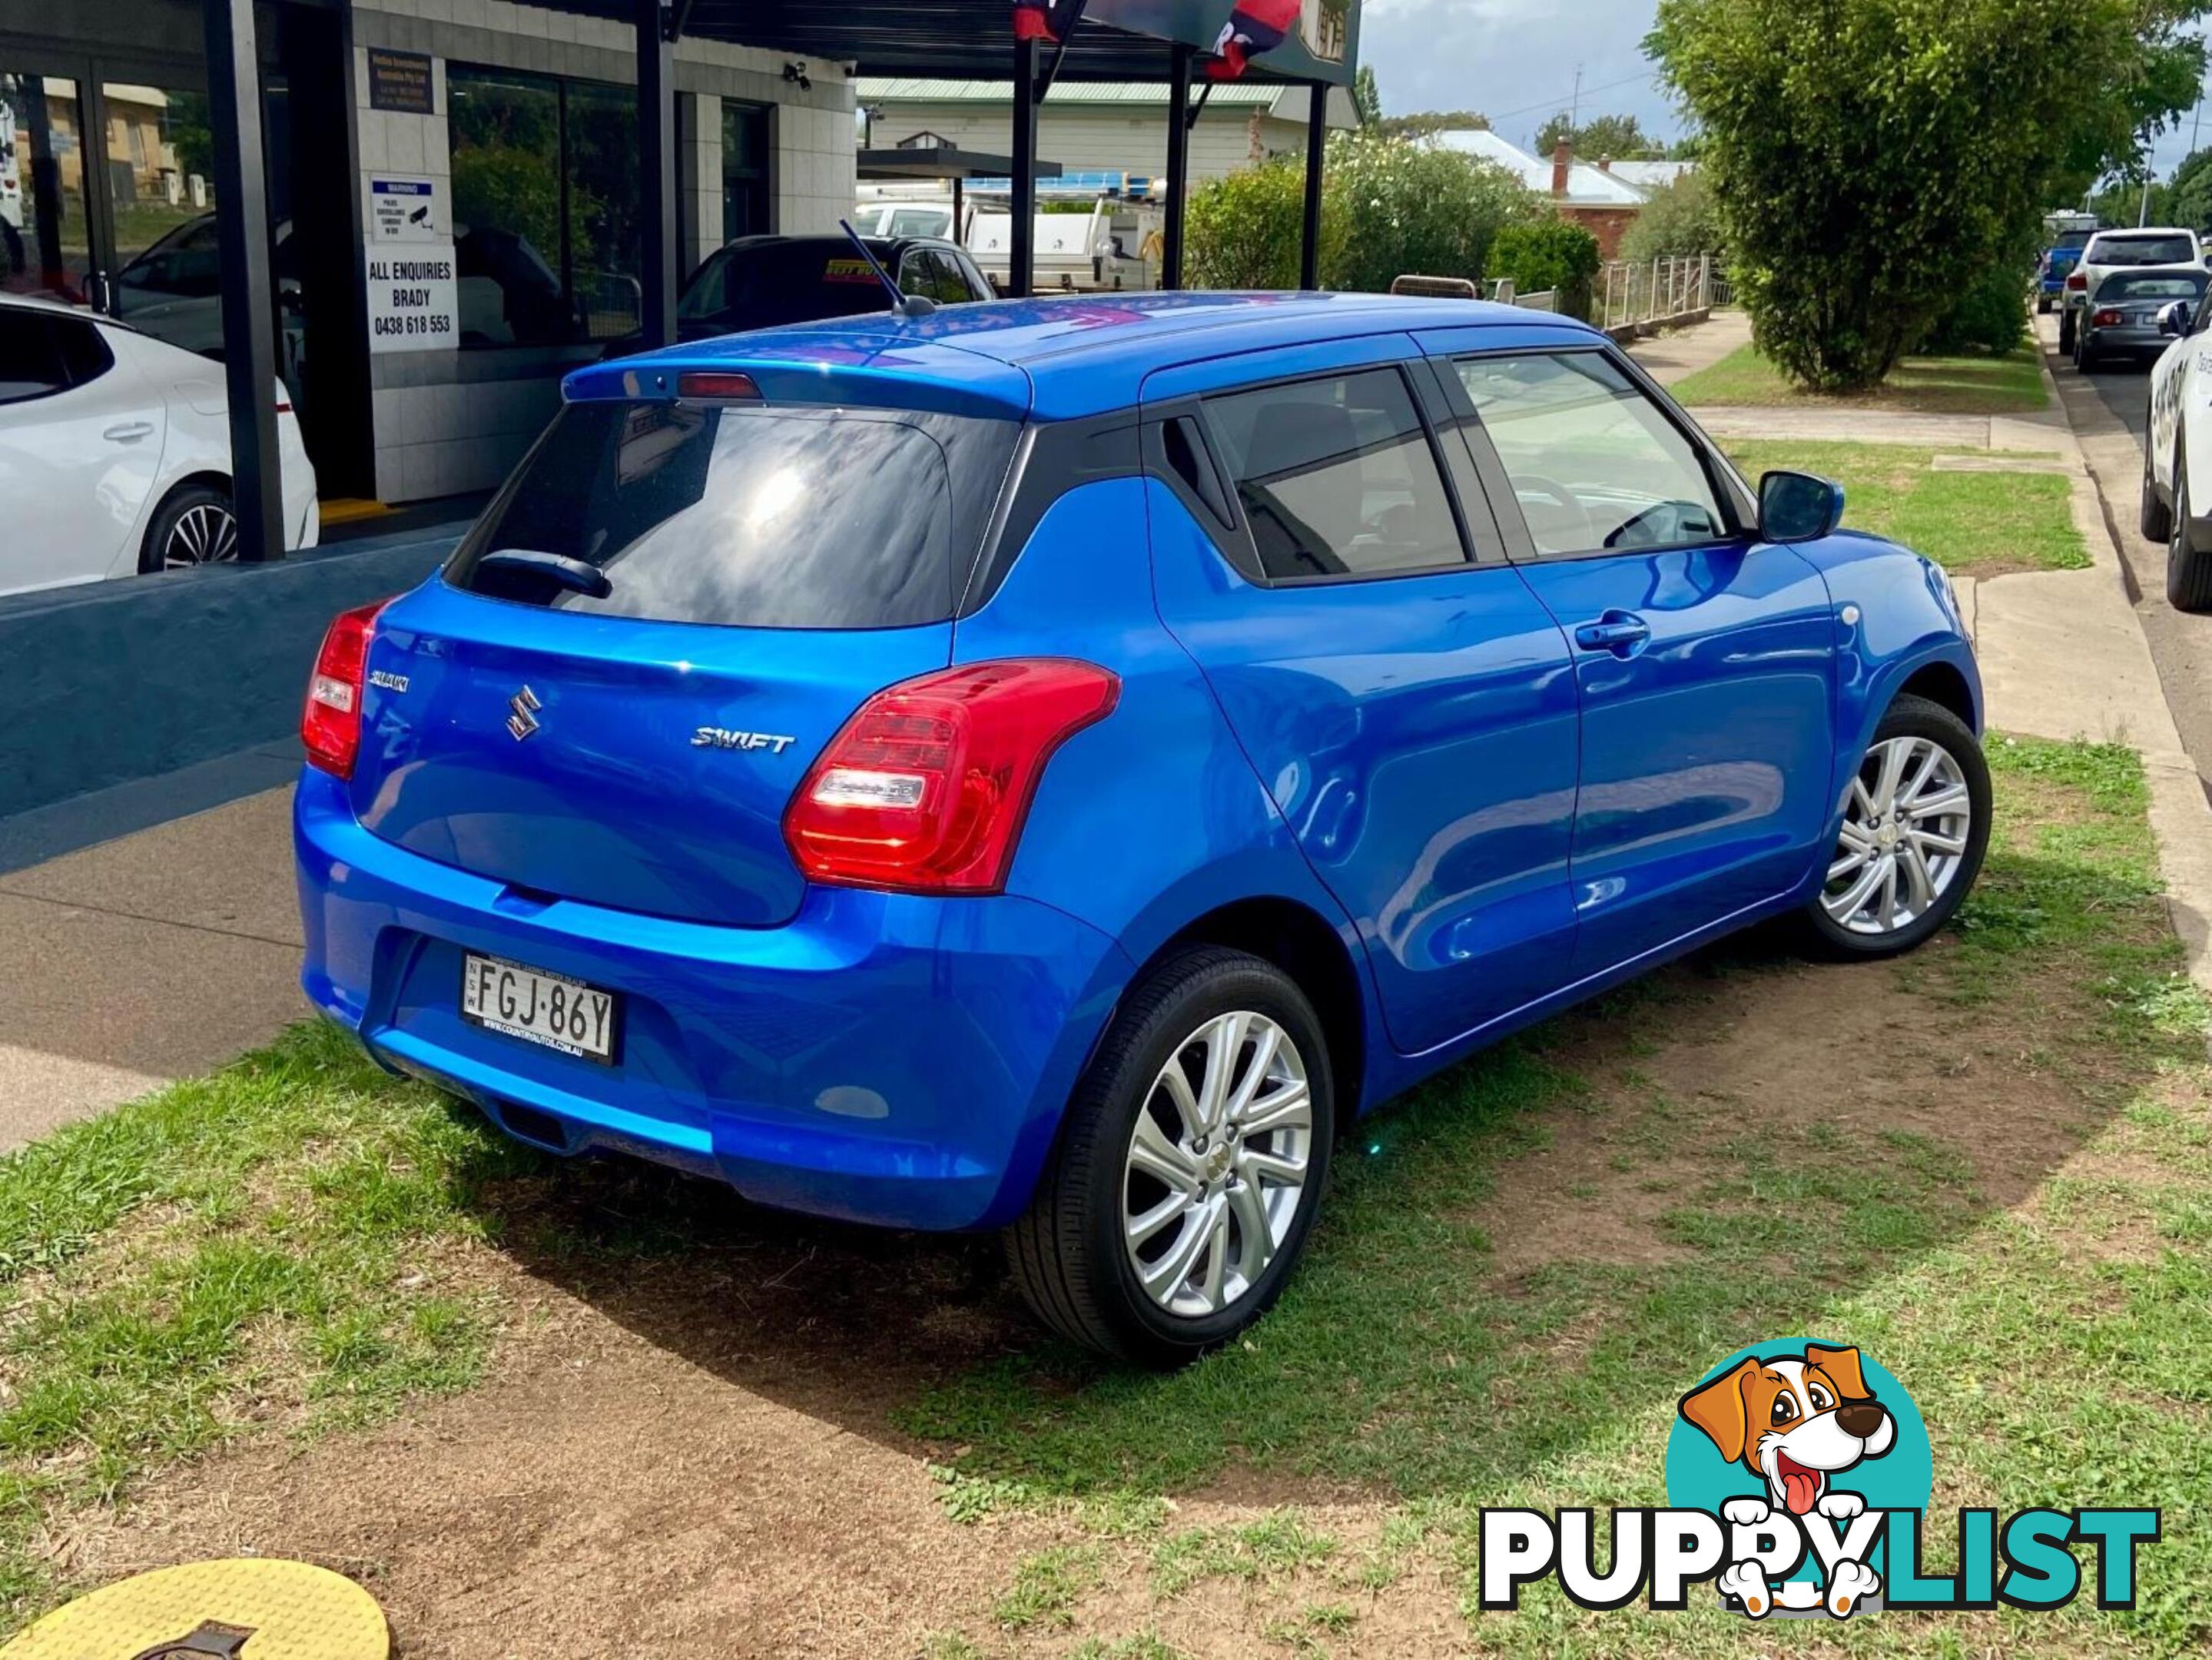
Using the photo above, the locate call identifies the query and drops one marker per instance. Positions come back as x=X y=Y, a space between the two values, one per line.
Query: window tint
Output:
x=1336 y=477
x=35 y=354
x=766 y=518
x=765 y=283
x=1594 y=462
x=84 y=354
x=2173 y=285
x=2176 y=250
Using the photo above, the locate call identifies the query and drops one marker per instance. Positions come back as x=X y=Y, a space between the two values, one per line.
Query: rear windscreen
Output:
x=771 y=283
x=746 y=516
x=2144 y=250
x=2180 y=285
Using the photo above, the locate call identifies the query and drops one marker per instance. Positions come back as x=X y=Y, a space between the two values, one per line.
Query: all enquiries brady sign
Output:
x=413 y=296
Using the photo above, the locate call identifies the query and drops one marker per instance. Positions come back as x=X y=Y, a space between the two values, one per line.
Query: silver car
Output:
x=2121 y=317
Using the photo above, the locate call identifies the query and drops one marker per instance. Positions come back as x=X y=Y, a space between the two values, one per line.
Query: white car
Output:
x=2178 y=449
x=115 y=452
x=2117 y=250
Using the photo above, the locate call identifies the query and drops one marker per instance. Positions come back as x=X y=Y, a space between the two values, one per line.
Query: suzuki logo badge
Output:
x=524 y=720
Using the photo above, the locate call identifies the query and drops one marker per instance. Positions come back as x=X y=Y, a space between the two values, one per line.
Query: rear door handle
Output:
x=129 y=432
x=1616 y=631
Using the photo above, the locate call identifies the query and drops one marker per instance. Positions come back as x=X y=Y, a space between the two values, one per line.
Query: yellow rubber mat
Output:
x=248 y=1608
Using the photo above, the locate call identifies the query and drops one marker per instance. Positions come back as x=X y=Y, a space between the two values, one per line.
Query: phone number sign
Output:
x=414 y=299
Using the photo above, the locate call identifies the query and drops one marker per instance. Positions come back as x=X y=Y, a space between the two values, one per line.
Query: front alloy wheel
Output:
x=1915 y=828
x=1216 y=1168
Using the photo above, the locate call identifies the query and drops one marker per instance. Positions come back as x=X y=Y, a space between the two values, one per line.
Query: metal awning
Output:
x=970 y=38
x=941 y=162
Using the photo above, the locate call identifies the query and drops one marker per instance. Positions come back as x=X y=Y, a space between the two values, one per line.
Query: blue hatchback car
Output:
x=1049 y=766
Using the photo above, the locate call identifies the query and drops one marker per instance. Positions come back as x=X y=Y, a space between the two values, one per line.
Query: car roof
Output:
x=2120 y=232
x=1058 y=357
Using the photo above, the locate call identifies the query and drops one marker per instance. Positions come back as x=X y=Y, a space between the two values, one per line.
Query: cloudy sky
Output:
x=1514 y=59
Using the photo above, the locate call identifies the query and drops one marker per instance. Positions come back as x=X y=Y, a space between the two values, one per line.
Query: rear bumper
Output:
x=882 y=1058
x=2147 y=341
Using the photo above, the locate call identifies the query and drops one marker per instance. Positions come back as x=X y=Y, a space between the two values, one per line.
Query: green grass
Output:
x=1920 y=385
x=298 y=1243
x=1398 y=1362
x=1973 y=523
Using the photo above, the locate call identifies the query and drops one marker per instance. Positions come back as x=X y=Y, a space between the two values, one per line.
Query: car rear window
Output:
x=2072 y=239
x=759 y=288
x=789 y=518
x=2167 y=285
x=2144 y=250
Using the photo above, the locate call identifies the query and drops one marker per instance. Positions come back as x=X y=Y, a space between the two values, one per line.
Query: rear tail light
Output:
x=925 y=789
x=330 y=726
x=2078 y=280
x=2105 y=319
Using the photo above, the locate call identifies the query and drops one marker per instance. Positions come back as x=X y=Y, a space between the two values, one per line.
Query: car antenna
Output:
x=906 y=305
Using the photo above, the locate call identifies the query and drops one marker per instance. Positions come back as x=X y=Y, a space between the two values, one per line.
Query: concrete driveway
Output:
x=2108 y=410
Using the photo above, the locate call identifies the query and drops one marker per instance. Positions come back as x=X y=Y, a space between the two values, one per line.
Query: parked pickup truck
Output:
x=2060 y=257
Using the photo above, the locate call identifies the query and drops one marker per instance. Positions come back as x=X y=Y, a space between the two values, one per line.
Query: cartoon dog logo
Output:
x=1796 y=1422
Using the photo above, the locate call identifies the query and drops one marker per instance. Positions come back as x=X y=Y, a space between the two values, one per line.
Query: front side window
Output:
x=1336 y=477
x=1594 y=462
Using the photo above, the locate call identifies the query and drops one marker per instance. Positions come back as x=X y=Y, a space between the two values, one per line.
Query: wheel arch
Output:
x=1942 y=683
x=198 y=477
x=1302 y=944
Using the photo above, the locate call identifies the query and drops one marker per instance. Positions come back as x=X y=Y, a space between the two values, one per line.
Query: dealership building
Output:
x=418 y=214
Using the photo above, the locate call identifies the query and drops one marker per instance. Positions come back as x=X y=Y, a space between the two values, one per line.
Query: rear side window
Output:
x=1336 y=477
x=746 y=516
x=41 y=355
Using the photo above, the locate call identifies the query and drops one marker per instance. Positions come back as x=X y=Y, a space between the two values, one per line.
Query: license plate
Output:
x=537 y=1008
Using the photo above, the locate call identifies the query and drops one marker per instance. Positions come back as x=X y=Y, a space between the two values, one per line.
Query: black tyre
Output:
x=2066 y=330
x=2085 y=355
x=2188 y=562
x=1191 y=1166
x=2042 y=305
x=194 y=526
x=1916 y=829
x=2153 y=515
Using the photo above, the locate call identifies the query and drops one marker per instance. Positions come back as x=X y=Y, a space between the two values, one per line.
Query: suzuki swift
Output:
x=1049 y=766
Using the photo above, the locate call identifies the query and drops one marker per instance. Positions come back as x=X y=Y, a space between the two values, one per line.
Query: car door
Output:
x=2180 y=411
x=1705 y=659
x=1406 y=701
x=80 y=449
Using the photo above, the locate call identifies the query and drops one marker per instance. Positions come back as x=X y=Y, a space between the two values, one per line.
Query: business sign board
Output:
x=1297 y=39
x=401 y=81
x=414 y=297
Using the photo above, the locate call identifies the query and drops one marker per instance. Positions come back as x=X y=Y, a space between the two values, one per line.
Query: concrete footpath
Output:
x=127 y=959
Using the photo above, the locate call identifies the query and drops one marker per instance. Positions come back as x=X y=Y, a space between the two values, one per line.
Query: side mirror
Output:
x=2173 y=317
x=1796 y=506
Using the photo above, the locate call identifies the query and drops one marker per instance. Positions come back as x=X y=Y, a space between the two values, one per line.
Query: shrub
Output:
x=1870 y=158
x=1389 y=206
x=1549 y=253
x=1677 y=219
x=1990 y=315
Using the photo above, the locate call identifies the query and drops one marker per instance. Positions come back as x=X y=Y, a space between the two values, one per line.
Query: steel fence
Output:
x=1637 y=292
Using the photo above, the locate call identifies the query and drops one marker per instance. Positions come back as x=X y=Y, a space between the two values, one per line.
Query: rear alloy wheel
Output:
x=2153 y=515
x=1916 y=828
x=194 y=526
x=2188 y=566
x=1190 y=1168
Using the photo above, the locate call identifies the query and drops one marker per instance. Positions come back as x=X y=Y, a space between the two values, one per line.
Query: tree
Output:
x=1618 y=137
x=2189 y=198
x=1869 y=160
x=1366 y=96
x=1677 y=218
x=1389 y=206
x=1426 y=121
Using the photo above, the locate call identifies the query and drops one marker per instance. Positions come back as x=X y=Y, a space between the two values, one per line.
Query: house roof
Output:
x=1587 y=187
x=1652 y=175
